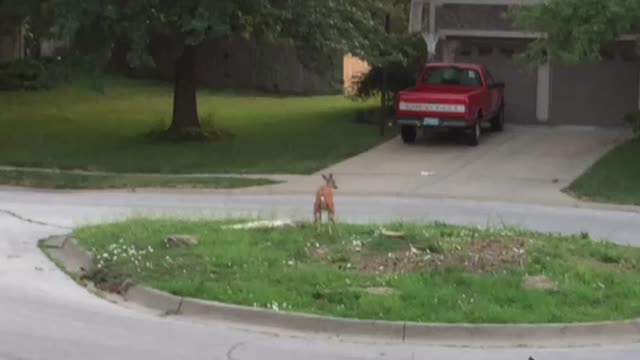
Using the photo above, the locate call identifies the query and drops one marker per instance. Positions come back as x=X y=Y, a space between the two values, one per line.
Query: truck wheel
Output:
x=408 y=134
x=473 y=134
x=497 y=123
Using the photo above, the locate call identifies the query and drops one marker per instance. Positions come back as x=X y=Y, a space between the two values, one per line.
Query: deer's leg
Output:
x=317 y=218
x=332 y=222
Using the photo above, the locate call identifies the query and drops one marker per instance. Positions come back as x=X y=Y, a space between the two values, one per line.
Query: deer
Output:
x=324 y=202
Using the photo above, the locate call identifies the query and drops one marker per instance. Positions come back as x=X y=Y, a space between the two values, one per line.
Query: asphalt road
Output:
x=45 y=315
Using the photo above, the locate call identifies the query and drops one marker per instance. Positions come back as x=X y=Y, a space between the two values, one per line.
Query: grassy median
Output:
x=432 y=273
x=80 y=181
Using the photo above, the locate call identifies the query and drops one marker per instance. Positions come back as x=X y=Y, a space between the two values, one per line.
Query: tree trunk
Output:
x=185 y=106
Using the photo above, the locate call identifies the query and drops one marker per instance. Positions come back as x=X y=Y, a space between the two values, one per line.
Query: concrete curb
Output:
x=70 y=255
x=68 y=252
x=291 y=321
x=153 y=299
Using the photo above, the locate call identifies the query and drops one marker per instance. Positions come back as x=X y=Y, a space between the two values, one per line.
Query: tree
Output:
x=396 y=62
x=577 y=30
x=33 y=13
x=323 y=27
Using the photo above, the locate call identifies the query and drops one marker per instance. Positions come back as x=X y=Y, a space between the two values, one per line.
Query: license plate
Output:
x=430 y=122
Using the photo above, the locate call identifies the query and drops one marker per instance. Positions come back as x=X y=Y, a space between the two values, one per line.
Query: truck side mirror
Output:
x=498 y=85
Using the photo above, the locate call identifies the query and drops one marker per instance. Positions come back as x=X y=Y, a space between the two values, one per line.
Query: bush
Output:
x=29 y=74
x=23 y=74
x=634 y=119
x=58 y=71
x=399 y=77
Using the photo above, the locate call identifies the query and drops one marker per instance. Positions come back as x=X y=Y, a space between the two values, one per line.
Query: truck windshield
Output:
x=452 y=76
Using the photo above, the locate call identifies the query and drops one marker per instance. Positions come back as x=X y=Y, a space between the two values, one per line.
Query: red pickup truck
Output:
x=458 y=96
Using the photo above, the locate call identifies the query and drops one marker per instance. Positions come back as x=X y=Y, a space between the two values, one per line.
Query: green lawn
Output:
x=72 y=180
x=614 y=179
x=74 y=127
x=436 y=273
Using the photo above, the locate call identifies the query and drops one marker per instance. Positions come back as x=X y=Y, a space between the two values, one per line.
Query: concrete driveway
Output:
x=522 y=164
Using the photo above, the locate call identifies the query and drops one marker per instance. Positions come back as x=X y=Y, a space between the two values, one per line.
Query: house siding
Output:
x=473 y=17
x=594 y=94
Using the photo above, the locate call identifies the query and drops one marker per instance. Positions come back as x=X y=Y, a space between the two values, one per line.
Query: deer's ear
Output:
x=325 y=177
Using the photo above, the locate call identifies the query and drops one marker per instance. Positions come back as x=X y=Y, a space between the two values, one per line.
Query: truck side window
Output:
x=490 y=80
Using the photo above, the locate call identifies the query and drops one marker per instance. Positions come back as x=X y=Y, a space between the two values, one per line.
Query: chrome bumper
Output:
x=442 y=123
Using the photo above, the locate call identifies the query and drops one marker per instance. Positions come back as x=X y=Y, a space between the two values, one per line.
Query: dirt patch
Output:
x=319 y=253
x=481 y=256
x=380 y=291
x=540 y=282
x=488 y=256
x=396 y=262
x=175 y=241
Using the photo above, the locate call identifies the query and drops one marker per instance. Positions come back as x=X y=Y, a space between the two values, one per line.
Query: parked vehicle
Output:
x=454 y=96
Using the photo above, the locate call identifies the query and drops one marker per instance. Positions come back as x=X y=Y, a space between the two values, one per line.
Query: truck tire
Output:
x=497 y=123
x=473 y=134
x=408 y=134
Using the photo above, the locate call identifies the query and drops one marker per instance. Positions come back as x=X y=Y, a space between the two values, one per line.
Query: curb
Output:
x=291 y=321
x=77 y=260
x=68 y=252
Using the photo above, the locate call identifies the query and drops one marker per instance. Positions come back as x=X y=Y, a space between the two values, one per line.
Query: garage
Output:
x=481 y=31
x=579 y=95
x=498 y=56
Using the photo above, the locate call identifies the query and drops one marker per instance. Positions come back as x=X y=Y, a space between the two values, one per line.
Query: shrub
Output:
x=399 y=77
x=24 y=74
x=30 y=74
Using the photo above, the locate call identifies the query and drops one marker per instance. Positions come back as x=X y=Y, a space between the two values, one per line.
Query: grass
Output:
x=76 y=127
x=614 y=179
x=74 y=180
x=436 y=273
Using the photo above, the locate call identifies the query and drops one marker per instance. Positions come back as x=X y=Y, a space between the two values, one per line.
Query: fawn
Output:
x=324 y=202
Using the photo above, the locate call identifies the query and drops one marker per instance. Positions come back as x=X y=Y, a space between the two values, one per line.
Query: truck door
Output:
x=495 y=93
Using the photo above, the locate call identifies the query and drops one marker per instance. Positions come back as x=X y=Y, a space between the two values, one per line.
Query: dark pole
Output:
x=385 y=81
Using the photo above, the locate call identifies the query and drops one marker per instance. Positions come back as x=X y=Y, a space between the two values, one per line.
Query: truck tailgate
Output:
x=422 y=102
